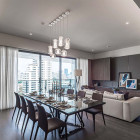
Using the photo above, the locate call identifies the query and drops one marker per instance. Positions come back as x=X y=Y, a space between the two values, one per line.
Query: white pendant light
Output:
x=52 y=55
x=58 y=51
x=67 y=43
x=60 y=43
x=50 y=50
x=63 y=53
x=54 y=43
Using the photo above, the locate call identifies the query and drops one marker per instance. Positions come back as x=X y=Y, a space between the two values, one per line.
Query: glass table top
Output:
x=66 y=103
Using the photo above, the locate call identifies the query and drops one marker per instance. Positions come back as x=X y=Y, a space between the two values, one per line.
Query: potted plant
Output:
x=116 y=90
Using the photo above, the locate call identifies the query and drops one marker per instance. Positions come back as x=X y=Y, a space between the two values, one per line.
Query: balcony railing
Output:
x=27 y=86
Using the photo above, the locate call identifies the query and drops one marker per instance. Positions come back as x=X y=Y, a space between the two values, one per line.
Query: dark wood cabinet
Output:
x=107 y=69
x=100 y=69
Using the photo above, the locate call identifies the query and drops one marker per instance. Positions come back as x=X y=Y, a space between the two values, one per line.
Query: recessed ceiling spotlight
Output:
x=127 y=23
x=43 y=23
x=30 y=34
x=108 y=46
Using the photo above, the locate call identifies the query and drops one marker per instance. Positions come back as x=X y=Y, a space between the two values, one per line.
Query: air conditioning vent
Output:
x=137 y=2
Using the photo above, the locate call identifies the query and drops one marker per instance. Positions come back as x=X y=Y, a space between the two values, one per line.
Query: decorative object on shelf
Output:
x=77 y=73
x=131 y=84
x=59 y=40
x=57 y=90
x=116 y=90
x=123 y=76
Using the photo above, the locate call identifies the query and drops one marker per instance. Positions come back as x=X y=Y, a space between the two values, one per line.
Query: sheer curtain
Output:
x=83 y=65
x=8 y=76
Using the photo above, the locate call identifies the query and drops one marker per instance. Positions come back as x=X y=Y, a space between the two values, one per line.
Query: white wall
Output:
x=36 y=46
x=118 y=53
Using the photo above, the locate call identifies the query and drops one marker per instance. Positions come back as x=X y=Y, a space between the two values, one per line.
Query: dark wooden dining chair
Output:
x=48 y=125
x=96 y=110
x=70 y=91
x=17 y=106
x=81 y=94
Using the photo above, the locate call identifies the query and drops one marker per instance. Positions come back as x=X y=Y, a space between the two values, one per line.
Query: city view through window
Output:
x=37 y=72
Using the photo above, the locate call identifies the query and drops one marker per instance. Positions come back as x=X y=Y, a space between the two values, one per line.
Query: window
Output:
x=28 y=72
x=50 y=69
x=67 y=73
x=36 y=72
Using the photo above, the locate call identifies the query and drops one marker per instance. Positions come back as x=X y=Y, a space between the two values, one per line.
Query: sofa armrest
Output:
x=131 y=109
x=113 y=108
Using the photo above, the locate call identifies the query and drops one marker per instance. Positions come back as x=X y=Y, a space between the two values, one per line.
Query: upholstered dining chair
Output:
x=17 y=106
x=96 y=110
x=81 y=94
x=70 y=91
x=48 y=125
x=32 y=115
x=24 y=111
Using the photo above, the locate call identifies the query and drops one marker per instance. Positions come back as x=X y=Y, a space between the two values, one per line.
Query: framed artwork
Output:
x=131 y=84
x=123 y=76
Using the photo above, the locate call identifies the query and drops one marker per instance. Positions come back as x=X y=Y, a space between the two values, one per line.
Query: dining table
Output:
x=68 y=105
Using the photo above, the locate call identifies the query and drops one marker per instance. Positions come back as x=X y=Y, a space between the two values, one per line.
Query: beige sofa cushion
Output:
x=113 y=96
x=89 y=92
x=120 y=96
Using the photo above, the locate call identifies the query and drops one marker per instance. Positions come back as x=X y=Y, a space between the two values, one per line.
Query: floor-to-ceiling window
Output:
x=28 y=72
x=67 y=73
x=50 y=69
x=36 y=72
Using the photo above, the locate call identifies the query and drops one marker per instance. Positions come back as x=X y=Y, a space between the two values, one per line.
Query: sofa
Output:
x=117 y=106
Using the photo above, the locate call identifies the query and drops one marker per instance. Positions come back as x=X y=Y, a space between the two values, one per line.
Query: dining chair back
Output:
x=24 y=105
x=48 y=125
x=31 y=115
x=17 y=106
x=31 y=110
x=99 y=97
x=24 y=110
x=70 y=91
x=42 y=119
x=81 y=94
x=96 y=110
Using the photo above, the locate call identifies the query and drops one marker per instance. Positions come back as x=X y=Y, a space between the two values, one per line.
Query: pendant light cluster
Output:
x=59 y=44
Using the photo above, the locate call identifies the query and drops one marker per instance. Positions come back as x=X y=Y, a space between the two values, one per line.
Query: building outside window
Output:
x=36 y=72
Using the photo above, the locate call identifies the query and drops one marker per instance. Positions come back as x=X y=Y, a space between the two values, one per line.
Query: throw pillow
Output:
x=113 y=96
x=126 y=94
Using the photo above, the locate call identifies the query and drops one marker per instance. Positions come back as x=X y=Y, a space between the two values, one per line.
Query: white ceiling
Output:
x=93 y=24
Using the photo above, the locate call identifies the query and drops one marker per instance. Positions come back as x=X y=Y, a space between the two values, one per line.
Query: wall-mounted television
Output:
x=131 y=84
